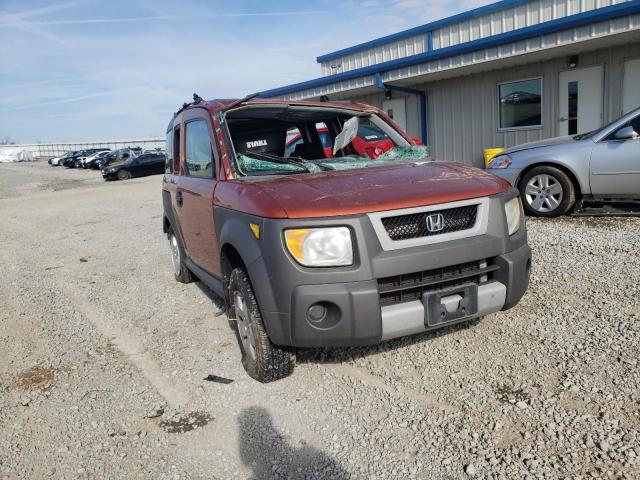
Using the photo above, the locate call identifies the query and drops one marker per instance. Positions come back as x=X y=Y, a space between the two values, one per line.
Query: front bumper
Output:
x=355 y=311
x=511 y=175
x=358 y=318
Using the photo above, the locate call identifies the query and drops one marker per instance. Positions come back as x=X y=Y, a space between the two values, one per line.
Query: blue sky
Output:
x=102 y=70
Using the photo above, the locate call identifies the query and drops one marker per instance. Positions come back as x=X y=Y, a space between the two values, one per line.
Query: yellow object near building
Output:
x=489 y=153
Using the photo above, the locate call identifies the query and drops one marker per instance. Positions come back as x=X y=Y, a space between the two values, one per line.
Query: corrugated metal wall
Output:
x=391 y=51
x=463 y=111
x=535 y=44
x=509 y=19
x=506 y=20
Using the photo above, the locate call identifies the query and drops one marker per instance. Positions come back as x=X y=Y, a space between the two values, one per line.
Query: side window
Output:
x=293 y=139
x=169 y=149
x=198 y=153
x=634 y=122
x=326 y=140
x=176 y=149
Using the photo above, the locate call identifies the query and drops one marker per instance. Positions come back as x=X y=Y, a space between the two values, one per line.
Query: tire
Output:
x=547 y=192
x=262 y=360
x=180 y=270
x=77 y=164
x=124 y=175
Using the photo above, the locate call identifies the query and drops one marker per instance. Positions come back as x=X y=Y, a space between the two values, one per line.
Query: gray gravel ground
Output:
x=104 y=360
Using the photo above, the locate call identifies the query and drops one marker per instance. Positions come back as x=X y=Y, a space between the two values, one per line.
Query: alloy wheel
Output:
x=175 y=254
x=244 y=327
x=543 y=193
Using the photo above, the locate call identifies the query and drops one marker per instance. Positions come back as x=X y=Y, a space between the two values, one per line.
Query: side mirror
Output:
x=625 y=133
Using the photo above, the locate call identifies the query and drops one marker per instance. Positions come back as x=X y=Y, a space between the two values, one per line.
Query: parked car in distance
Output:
x=554 y=175
x=57 y=161
x=75 y=160
x=325 y=252
x=119 y=155
x=142 y=165
x=92 y=160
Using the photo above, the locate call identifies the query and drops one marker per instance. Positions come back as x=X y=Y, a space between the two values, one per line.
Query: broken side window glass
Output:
x=413 y=152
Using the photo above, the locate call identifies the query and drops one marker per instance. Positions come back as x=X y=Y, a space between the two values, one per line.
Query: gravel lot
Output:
x=105 y=360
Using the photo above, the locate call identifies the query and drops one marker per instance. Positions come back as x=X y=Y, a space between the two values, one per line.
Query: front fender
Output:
x=233 y=230
x=576 y=162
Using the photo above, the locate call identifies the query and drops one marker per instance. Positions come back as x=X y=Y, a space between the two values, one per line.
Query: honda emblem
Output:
x=435 y=222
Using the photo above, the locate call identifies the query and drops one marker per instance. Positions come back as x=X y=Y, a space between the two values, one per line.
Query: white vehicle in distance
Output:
x=92 y=160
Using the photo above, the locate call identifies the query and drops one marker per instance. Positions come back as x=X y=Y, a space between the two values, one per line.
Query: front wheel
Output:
x=547 y=192
x=262 y=360
x=123 y=175
x=77 y=164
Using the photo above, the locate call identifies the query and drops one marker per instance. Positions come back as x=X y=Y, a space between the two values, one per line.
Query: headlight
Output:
x=512 y=212
x=499 y=161
x=320 y=247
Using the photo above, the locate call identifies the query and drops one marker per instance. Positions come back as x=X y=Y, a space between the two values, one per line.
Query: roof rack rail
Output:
x=196 y=100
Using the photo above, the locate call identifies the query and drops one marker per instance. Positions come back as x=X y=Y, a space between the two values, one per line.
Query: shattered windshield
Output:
x=288 y=140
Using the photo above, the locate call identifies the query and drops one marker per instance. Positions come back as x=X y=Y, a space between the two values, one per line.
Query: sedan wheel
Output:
x=123 y=174
x=547 y=192
x=544 y=193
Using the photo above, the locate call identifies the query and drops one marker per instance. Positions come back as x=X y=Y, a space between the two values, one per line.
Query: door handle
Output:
x=562 y=119
x=179 y=198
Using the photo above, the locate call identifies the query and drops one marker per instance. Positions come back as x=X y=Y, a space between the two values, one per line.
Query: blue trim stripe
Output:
x=601 y=14
x=461 y=17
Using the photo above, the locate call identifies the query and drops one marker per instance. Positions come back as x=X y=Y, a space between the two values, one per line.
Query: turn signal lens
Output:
x=513 y=213
x=320 y=247
x=255 y=228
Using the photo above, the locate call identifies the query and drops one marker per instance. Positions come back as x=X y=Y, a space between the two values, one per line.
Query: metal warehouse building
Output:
x=500 y=75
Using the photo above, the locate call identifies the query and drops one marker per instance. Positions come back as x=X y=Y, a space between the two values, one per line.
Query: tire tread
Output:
x=272 y=362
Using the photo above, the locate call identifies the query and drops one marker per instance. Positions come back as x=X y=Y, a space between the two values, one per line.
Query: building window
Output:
x=520 y=104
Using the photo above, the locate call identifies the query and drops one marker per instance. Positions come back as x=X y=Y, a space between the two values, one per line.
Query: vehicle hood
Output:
x=541 y=143
x=364 y=190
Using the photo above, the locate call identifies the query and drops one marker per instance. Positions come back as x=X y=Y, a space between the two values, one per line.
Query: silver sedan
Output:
x=603 y=166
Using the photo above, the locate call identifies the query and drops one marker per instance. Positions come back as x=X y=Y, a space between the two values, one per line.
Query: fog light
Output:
x=316 y=313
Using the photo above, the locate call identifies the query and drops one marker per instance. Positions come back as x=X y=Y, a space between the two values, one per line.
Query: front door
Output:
x=396 y=109
x=196 y=184
x=615 y=166
x=581 y=97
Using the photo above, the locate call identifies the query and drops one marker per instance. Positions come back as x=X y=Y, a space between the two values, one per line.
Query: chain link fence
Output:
x=44 y=151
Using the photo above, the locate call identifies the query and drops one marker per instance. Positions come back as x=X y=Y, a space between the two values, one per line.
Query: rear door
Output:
x=196 y=184
x=141 y=165
x=615 y=165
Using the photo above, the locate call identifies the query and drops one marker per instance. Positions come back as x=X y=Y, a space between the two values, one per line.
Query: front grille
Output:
x=405 y=227
x=410 y=286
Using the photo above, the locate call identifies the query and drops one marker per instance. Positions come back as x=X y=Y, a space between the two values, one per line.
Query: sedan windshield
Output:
x=287 y=140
